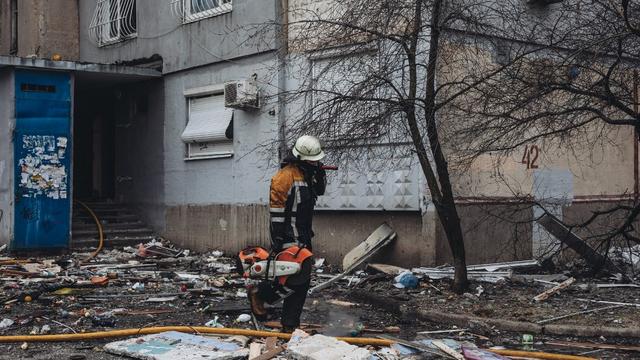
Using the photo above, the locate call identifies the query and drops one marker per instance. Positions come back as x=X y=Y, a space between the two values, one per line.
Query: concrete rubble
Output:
x=158 y=284
x=302 y=346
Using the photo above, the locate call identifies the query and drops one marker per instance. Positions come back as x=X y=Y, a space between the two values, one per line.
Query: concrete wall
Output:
x=492 y=232
x=337 y=232
x=225 y=227
x=45 y=27
x=241 y=179
x=7 y=124
x=183 y=46
x=208 y=199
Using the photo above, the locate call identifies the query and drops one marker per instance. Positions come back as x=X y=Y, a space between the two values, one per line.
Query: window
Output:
x=113 y=21
x=209 y=130
x=342 y=86
x=194 y=10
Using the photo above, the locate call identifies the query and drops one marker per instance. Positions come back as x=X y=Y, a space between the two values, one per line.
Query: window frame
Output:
x=198 y=93
x=224 y=6
x=110 y=20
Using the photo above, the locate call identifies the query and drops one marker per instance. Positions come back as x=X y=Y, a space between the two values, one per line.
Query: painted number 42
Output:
x=530 y=156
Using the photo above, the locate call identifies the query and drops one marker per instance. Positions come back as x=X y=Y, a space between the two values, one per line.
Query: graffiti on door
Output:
x=42 y=172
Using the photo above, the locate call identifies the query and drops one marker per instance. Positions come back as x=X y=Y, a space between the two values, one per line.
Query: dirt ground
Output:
x=217 y=292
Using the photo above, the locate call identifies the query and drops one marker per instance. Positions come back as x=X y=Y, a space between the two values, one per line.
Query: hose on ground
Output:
x=539 y=355
x=184 y=329
x=100 y=231
x=245 y=332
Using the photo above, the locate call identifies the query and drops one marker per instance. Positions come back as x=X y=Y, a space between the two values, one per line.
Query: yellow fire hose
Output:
x=100 y=230
x=539 y=355
x=184 y=329
x=245 y=332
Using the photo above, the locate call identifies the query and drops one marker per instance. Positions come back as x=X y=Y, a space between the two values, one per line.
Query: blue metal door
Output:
x=42 y=143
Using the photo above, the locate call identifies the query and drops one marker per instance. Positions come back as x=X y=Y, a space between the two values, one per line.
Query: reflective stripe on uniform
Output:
x=294 y=227
x=292 y=213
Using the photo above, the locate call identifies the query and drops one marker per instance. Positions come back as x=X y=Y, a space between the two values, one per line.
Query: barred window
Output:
x=194 y=10
x=113 y=21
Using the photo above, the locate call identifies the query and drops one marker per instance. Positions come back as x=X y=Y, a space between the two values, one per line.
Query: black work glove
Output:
x=319 y=180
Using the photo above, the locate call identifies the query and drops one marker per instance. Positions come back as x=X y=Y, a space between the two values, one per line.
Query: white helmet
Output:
x=308 y=148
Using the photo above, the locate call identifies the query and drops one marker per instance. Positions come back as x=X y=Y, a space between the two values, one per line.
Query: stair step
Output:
x=106 y=217
x=120 y=225
x=111 y=242
x=111 y=232
x=114 y=210
x=98 y=203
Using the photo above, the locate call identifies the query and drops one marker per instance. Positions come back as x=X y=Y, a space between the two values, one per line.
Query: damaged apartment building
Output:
x=161 y=116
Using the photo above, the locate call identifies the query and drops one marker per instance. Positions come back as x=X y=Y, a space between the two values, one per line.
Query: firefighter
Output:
x=293 y=194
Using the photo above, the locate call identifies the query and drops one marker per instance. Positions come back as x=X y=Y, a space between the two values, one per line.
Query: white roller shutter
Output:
x=208 y=120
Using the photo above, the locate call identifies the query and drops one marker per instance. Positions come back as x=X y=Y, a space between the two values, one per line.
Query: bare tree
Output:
x=374 y=75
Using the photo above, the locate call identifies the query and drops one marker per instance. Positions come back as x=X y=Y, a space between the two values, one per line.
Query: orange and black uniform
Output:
x=294 y=190
x=293 y=194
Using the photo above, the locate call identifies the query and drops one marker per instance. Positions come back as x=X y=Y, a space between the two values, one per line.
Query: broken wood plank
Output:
x=556 y=228
x=546 y=294
x=386 y=329
x=255 y=349
x=271 y=353
x=447 y=350
x=387 y=269
x=341 y=303
x=271 y=343
x=441 y=331
x=588 y=345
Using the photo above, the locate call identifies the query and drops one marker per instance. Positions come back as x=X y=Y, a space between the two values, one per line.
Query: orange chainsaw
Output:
x=256 y=262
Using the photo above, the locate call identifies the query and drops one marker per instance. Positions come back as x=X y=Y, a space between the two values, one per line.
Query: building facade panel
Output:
x=161 y=31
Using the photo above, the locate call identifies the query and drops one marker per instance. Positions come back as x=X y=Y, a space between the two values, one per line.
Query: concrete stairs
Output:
x=121 y=226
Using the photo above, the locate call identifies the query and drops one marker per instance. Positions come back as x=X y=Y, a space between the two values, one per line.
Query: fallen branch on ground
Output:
x=528 y=327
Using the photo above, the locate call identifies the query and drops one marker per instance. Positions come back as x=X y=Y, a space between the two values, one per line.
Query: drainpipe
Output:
x=636 y=138
x=282 y=49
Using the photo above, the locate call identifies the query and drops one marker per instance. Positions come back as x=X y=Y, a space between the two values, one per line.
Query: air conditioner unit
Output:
x=242 y=94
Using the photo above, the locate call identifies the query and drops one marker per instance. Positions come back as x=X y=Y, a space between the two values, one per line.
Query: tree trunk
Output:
x=445 y=206
x=451 y=223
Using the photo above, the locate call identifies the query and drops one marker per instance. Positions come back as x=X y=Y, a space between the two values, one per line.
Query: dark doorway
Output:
x=94 y=148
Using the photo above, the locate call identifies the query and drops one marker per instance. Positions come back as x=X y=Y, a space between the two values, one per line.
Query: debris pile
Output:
x=174 y=304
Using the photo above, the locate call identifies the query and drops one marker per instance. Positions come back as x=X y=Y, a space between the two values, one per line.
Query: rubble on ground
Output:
x=159 y=284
